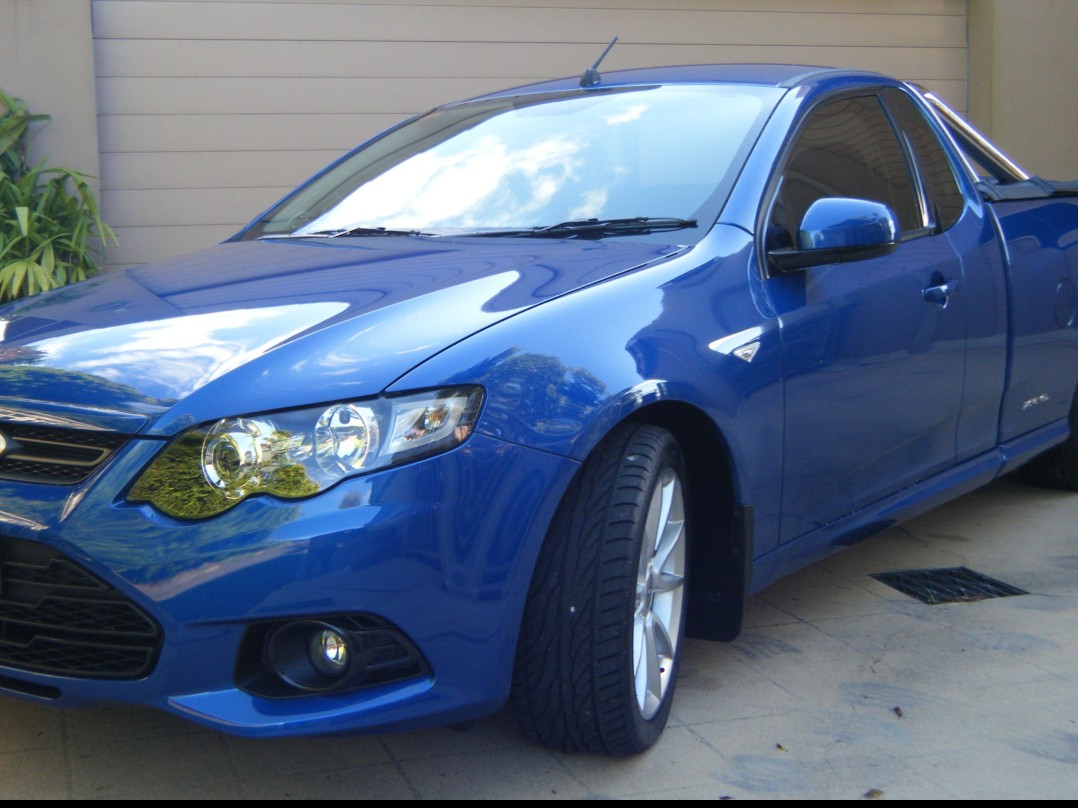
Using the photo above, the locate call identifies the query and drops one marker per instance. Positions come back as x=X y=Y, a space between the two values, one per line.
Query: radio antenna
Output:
x=591 y=77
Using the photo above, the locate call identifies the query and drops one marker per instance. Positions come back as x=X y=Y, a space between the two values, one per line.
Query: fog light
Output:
x=310 y=655
x=329 y=652
x=317 y=655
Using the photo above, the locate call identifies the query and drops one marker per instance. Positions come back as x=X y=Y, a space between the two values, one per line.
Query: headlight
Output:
x=209 y=469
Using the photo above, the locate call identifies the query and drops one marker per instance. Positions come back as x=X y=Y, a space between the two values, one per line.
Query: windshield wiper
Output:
x=351 y=231
x=593 y=228
x=581 y=228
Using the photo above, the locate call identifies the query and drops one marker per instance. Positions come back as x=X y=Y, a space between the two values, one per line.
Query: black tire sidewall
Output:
x=573 y=684
x=644 y=732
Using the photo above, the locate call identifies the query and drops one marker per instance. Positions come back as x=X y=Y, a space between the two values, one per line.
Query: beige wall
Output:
x=210 y=110
x=1023 y=85
x=46 y=58
x=207 y=110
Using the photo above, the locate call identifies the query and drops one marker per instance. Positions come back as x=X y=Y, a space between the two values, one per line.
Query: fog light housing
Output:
x=329 y=653
x=310 y=655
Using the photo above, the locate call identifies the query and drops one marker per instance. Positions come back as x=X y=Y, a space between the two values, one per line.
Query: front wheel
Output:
x=598 y=653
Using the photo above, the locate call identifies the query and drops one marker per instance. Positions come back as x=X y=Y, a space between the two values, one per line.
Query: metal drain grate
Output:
x=952 y=585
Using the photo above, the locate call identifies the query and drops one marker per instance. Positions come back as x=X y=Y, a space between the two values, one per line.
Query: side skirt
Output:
x=905 y=504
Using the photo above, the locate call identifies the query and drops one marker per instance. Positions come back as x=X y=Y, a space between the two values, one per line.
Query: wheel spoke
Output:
x=669 y=547
x=663 y=645
x=660 y=582
x=650 y=696
x=666 y=582
x=652 y=667
x=668 y=556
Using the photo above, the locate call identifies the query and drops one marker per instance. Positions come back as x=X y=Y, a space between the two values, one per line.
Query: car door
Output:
x=873 y=371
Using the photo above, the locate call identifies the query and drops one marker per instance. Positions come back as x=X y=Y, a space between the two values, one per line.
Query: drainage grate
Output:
x=952 y=585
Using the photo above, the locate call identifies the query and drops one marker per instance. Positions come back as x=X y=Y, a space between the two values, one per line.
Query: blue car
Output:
x=508 y=401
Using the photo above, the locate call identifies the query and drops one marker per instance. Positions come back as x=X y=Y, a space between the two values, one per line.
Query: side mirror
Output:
x=836 y=229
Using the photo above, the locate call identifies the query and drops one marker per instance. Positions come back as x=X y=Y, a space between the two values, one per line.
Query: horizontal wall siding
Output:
x=209 y=110
x=407 y=22
x=336 y=59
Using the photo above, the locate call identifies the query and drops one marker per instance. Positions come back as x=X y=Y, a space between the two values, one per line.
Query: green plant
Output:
x=48 y=216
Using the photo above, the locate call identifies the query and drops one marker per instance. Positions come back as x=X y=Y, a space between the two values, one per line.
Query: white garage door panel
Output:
x=284 y=132
x=269 y=169
x=137 y=57
x=164 y=241
x=404 y=23
x=184 y=206
x=842 y=6
x=186 y=59
x=221 y=96
x=236 y=100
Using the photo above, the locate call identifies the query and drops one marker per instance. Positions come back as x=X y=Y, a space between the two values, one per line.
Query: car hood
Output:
x=252 y=326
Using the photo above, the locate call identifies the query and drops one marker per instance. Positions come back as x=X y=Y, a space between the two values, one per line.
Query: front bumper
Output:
x=442 y=550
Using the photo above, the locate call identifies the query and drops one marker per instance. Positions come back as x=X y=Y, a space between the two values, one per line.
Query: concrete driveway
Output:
x=840 y=687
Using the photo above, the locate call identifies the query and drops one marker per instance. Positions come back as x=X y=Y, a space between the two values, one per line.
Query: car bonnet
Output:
x=256 y=326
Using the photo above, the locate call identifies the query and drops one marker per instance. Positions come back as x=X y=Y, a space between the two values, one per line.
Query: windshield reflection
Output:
x=528 y=161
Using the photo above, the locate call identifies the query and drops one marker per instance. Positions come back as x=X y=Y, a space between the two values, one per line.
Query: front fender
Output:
x=559 y=377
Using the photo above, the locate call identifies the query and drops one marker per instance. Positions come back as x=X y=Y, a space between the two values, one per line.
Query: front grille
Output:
x=57 y=618
x=53 y=455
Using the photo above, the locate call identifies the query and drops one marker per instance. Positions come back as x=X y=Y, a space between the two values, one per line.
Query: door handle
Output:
x=941 y=293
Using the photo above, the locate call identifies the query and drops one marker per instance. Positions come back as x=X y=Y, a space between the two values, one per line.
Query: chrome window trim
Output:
x=989 y=151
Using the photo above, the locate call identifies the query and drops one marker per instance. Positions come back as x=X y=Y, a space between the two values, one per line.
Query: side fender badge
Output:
x=747 y=352
x=743 y=344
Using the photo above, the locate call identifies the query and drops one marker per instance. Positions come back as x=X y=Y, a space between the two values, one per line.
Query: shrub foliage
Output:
x=49 y=219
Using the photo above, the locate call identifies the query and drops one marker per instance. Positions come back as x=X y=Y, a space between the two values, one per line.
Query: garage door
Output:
x=209 y=111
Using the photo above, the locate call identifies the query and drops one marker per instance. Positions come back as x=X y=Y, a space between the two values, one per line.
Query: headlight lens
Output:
x=343 y=438
x=209 y=469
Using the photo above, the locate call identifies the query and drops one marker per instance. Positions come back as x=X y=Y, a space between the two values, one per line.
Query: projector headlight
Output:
x=211 y=468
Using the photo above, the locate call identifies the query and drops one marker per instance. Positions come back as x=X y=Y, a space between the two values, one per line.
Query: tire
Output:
x=602 y=633
x=1058 y=467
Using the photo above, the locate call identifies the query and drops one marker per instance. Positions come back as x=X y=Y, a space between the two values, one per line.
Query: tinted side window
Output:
x=941 y=186
x=846 y=148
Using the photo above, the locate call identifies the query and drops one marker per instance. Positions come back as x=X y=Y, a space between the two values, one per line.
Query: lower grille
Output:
x=52 y=455
x=56 y=618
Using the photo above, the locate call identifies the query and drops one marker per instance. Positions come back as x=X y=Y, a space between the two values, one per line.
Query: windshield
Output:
x=524 y=162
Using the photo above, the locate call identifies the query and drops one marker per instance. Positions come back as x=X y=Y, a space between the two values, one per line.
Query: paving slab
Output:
x=840 y=687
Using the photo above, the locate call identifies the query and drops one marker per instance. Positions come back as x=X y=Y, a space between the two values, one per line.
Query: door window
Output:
x=846 y=148
x=945 y=199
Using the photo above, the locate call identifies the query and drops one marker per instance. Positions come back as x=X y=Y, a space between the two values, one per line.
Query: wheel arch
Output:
x=721 y=526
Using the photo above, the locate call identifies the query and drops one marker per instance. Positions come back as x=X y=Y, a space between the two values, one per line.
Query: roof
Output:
x=768 y=75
